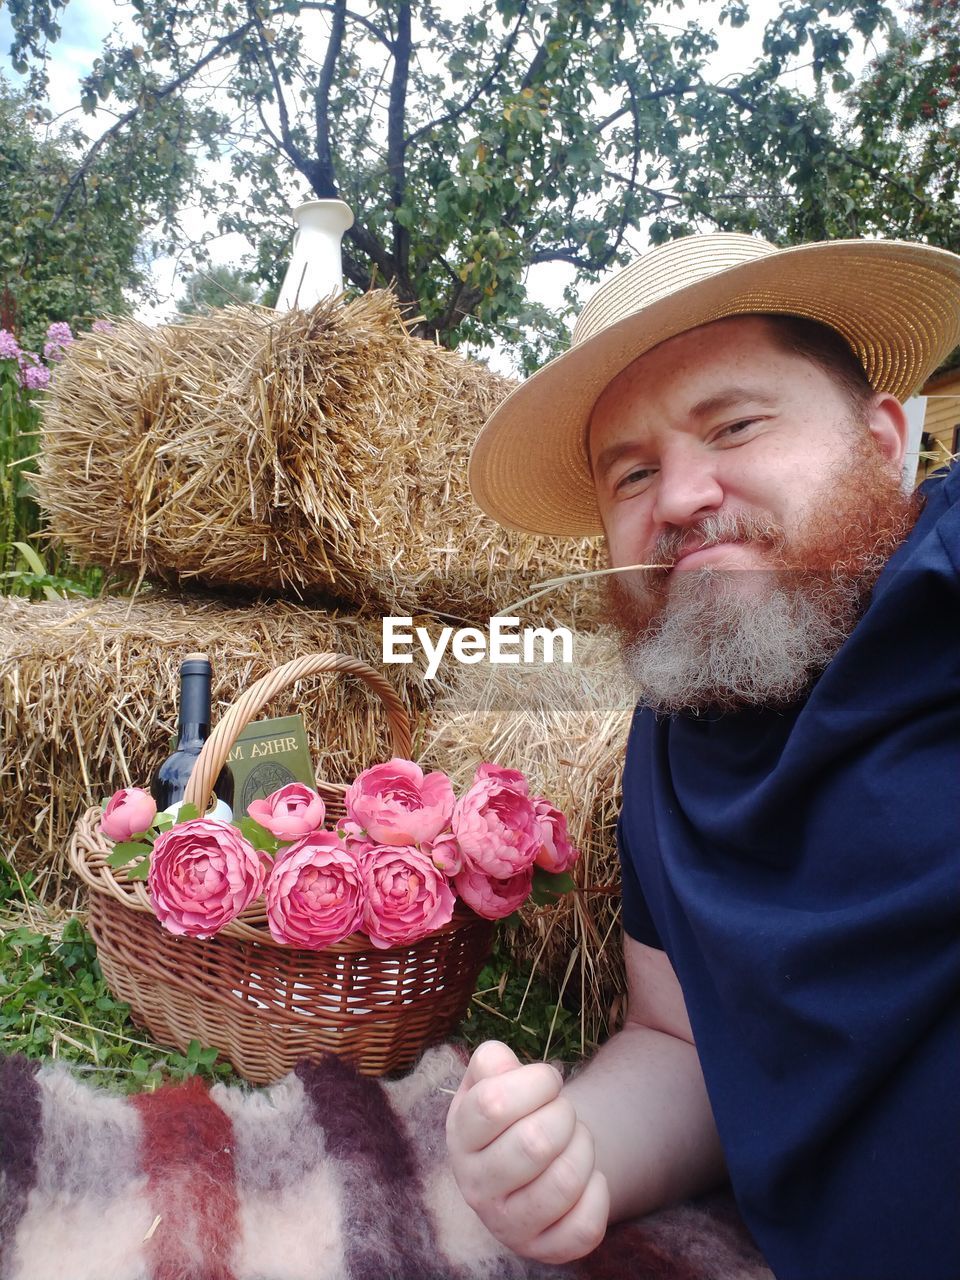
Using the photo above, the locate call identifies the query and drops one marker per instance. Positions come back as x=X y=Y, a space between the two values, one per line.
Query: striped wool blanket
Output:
x=325 y=1175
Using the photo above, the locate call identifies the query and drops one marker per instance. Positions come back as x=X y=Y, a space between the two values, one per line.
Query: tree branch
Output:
x=456 y=112
x=396 y=116
x=358 y=18
x=461 y=304
x=371 y=246
x=288 y=146
x=325 y=181
x=221 y=46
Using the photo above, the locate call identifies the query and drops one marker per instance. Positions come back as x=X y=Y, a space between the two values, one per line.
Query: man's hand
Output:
x=523 y=1160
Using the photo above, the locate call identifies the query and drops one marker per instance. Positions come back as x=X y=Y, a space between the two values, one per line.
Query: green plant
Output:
x=22 y=569
x=19 y=424
x=54 y=1002
x=523 y=1011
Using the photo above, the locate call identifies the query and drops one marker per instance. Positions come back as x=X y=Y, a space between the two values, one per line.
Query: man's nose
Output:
x=688 y=487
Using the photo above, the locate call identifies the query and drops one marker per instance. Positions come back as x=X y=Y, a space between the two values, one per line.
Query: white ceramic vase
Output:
x=316 y=267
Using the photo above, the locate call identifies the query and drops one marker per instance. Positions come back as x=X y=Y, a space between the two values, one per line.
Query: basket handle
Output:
x=218 y=746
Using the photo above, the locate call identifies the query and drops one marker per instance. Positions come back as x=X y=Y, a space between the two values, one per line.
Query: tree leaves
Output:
x=573 y=130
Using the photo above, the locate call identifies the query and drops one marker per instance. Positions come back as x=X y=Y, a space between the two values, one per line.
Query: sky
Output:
x=85 y=23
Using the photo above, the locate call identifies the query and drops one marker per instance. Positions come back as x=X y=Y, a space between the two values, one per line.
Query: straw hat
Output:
x=896 y=304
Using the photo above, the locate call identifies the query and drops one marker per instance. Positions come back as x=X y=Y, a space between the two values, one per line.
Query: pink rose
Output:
x=395 y=804
x=491 y=897
x=556 y=853
x=128 y=813
x=406 y=896
x=512 y=778
x=354 y=839
x=314 y=892
x=497 y=829
x=291 y=812
x=202 y=875
x=445 y=854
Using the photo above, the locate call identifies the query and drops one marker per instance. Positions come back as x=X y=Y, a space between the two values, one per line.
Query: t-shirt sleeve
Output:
x=637 y=921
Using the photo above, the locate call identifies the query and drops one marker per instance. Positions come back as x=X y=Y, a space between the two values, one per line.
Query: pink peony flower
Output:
x=128 y=813
x=406 y=896
x=512 y=778
x=354 y=839
x=395 y=804
x=497 y=829
x=202 y=875
x=556 y=853
x=314 y=893
x=293 y=811
x=445 y=854
x=491 y=897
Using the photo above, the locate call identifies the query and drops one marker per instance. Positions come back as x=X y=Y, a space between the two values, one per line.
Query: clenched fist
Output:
x=523 y=1161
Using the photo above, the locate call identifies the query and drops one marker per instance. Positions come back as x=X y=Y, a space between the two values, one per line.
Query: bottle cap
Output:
x=195 y=664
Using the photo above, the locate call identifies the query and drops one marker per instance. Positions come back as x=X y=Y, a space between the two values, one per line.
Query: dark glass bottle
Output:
x=170 y=780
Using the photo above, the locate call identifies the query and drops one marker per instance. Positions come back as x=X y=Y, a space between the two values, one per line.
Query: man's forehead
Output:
x=704 y=336
x=733 y=389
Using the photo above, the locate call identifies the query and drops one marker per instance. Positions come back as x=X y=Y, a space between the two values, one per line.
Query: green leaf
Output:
x=187 y=813
x=549 y=887
x=261 y=839
x=125 y=851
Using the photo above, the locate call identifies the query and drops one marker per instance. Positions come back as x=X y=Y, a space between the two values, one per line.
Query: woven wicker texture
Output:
x=266 y=1006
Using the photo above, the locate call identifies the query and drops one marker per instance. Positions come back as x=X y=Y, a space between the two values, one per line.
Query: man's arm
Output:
x=546 y=1169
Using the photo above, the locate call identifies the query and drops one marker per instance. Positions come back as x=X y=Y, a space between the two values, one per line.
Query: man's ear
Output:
x=888 y=425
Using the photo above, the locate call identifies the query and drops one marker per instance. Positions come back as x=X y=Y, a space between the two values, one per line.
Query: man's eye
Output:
x=635 y=477
x=736 y=428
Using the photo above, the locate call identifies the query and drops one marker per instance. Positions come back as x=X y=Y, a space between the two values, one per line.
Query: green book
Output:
x=267 y=755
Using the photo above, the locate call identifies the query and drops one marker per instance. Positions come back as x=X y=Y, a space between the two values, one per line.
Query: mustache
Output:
x=720 y=526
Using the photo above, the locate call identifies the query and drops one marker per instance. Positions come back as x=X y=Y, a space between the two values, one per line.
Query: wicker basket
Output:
x=266 y=1006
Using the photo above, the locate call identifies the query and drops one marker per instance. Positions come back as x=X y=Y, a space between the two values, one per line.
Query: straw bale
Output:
x=566 y=727
x=304 y=453
x=88 y=694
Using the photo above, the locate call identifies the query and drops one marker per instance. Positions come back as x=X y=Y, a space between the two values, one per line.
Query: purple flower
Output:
x=9 y=347
x=101 y=326
x=34 y=377
x=59 y=333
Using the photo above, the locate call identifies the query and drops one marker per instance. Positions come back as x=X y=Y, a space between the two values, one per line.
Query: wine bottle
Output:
x=170 y=780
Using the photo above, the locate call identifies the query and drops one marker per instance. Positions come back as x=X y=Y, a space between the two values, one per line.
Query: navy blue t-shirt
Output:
x=801 y=869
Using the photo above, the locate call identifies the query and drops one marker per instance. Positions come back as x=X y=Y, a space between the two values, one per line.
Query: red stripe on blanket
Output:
x=187 y=1157
x=628 y=1251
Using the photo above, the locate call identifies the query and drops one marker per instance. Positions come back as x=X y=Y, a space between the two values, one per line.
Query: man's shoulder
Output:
x=941 y=490
x=934 y=541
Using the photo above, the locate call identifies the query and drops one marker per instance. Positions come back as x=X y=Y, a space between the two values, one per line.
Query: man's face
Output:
x=744 y=471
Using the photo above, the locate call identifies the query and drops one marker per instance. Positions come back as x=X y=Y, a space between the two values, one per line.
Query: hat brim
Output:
x=897 y=304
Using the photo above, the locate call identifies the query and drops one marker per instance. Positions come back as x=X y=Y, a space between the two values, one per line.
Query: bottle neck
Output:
x=194 y=722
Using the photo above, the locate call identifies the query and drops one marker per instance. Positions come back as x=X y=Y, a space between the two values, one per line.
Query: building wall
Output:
x=941 y=424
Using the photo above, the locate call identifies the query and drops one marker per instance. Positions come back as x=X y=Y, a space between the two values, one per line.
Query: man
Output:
x=731 y=413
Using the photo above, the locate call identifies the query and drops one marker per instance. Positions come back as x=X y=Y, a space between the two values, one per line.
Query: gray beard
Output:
x=722 y=643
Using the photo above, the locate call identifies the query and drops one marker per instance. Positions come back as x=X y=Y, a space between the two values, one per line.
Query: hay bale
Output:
x=566 y=728
x=306 y=453
x=89 y=693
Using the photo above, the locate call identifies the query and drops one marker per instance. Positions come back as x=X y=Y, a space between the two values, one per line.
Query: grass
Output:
x=55 y=1004
x=23 y=570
